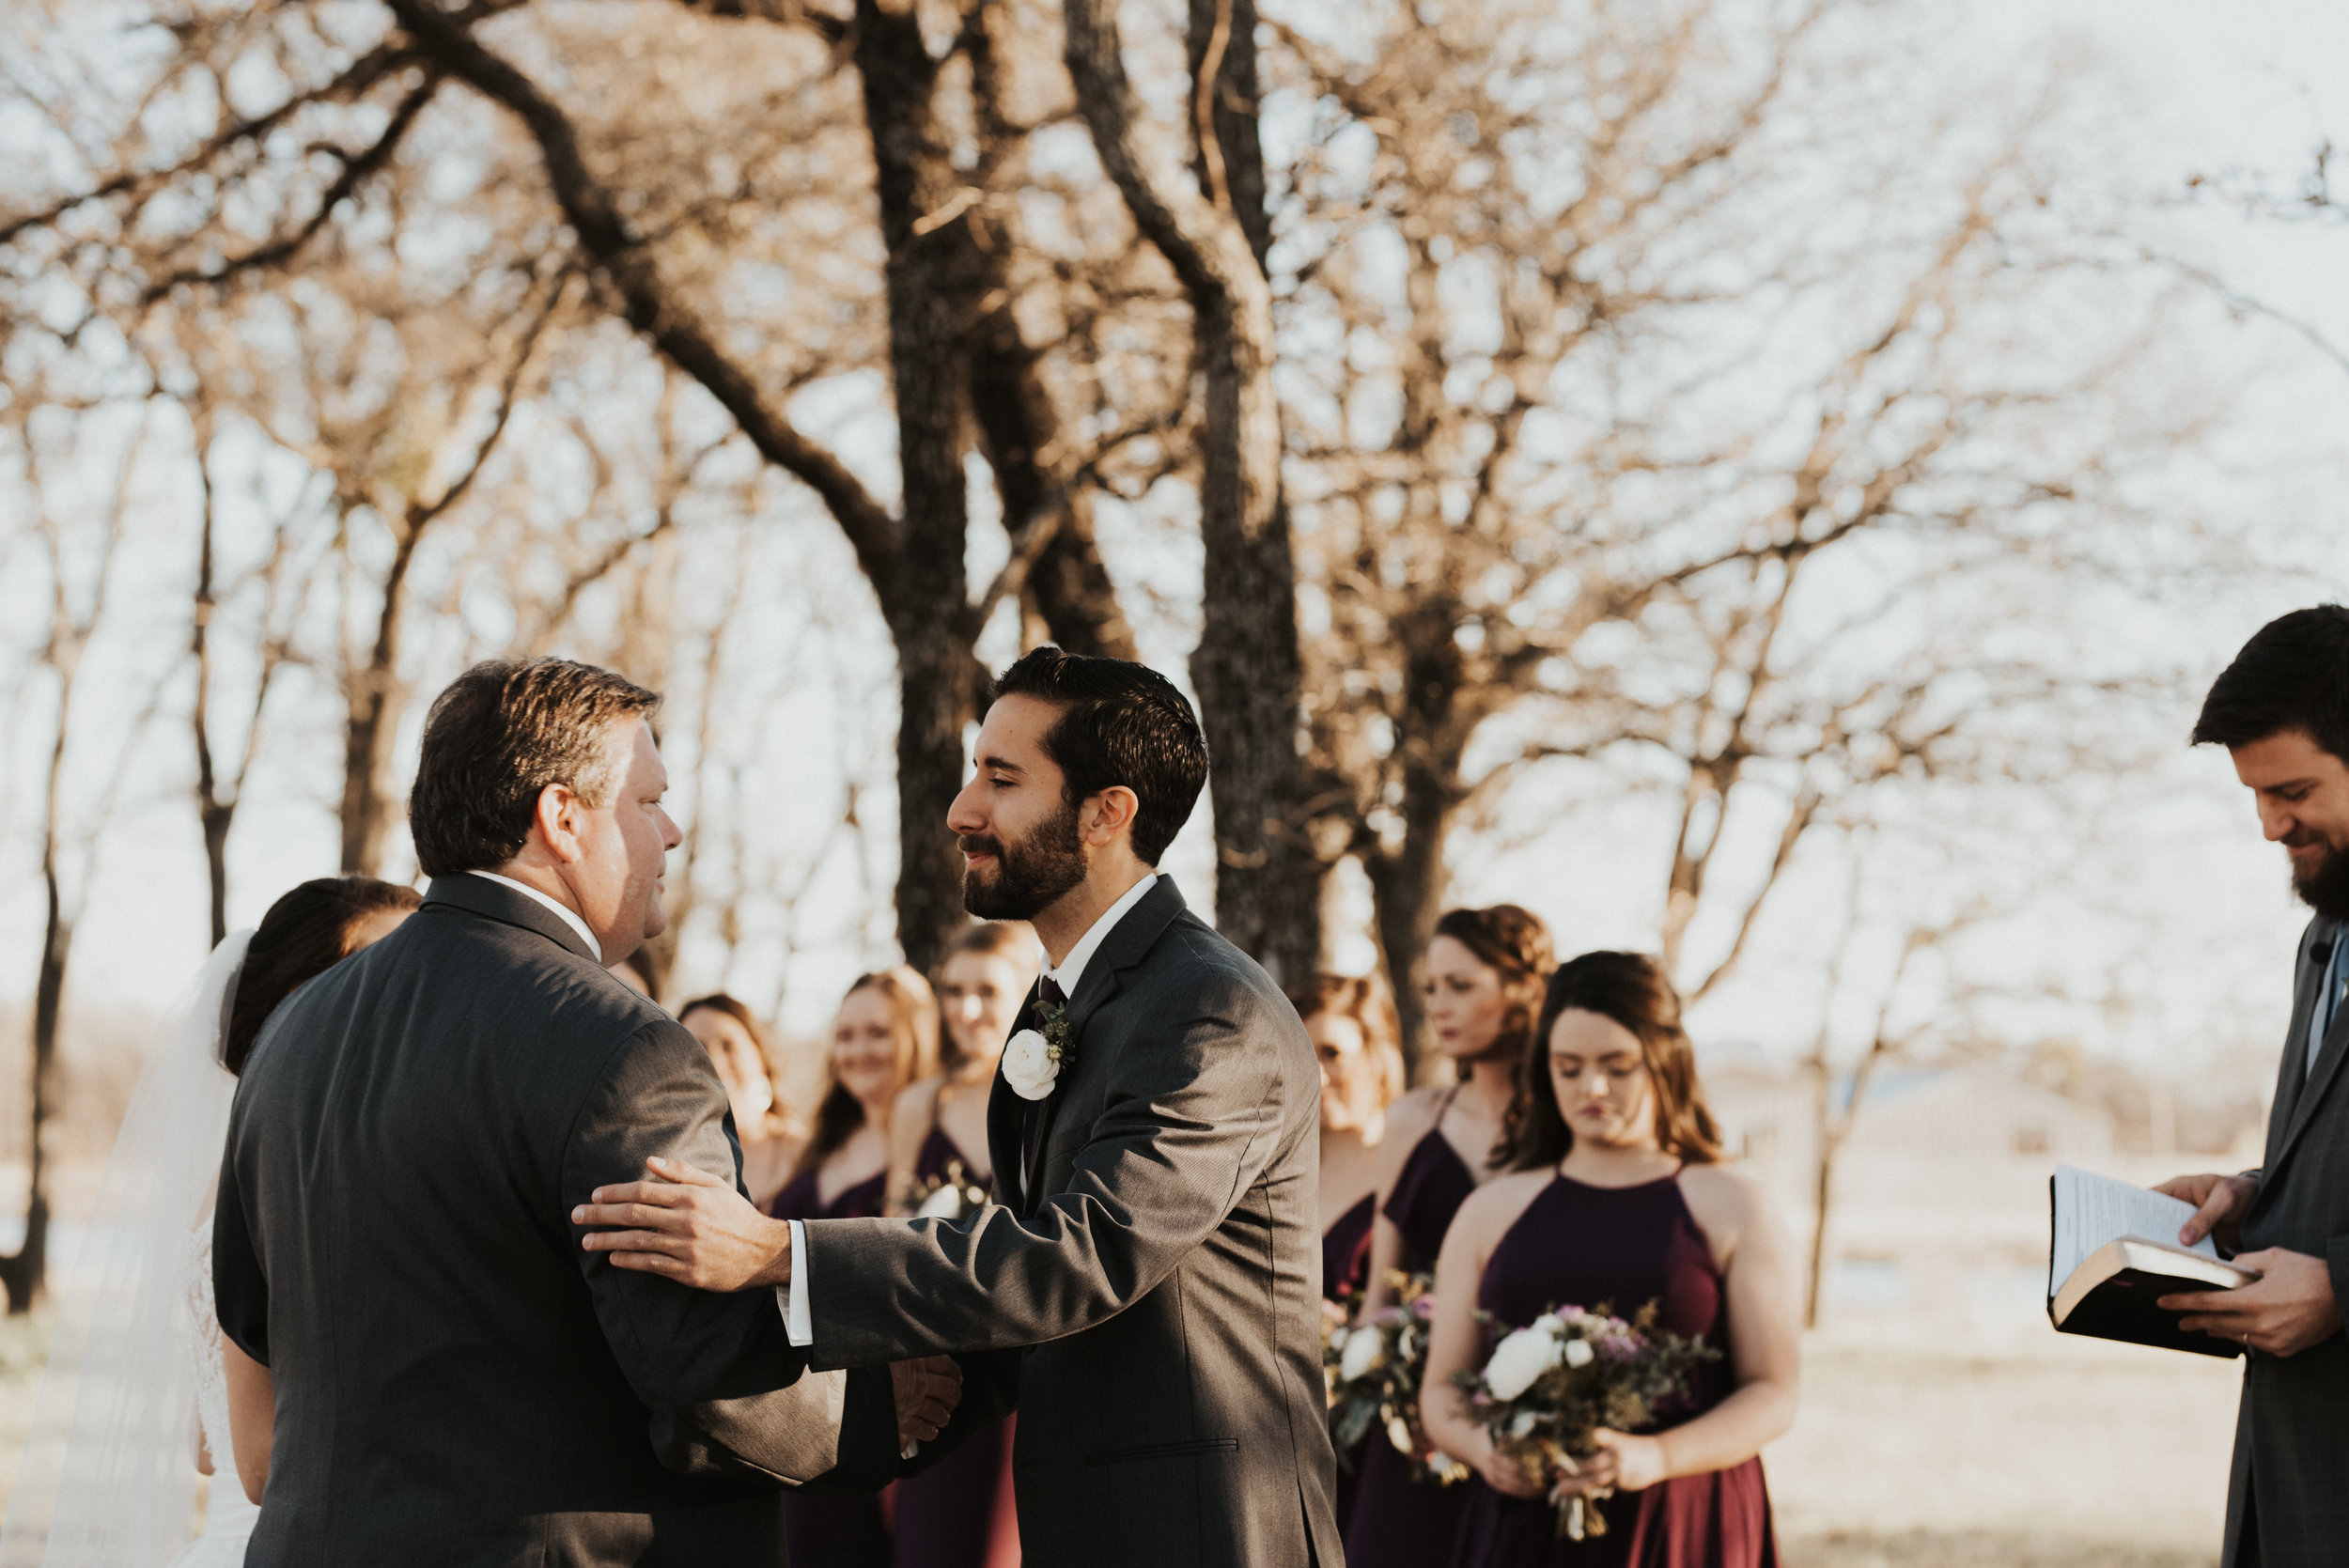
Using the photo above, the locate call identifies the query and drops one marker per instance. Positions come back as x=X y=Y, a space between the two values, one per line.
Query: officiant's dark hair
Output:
x=1635 y=992
x=306 y=932
x=502 y=732
x=2292 y=674
x=1120 y=724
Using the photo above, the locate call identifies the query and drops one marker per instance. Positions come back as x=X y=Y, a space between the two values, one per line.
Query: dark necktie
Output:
x=1049 y=1000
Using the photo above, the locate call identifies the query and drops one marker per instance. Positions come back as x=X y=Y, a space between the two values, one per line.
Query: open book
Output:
x=2115 y=1253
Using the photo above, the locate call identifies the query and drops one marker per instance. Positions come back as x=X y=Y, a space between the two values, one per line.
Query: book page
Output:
x=2091 y=1210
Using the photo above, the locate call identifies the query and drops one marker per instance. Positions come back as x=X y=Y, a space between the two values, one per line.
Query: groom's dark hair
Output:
x=502 y=732
x=2292 y=674
x=1120 y=724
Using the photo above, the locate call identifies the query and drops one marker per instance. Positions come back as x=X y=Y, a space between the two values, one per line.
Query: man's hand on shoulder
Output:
x=2289 y=1308
x=2220 y=1204
x=687 y=1225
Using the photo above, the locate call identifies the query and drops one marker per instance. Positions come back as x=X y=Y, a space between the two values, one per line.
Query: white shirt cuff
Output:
x=797 y=1324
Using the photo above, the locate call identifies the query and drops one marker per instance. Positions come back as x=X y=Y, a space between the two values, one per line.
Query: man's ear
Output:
x=555 y=822
x=1108 y=814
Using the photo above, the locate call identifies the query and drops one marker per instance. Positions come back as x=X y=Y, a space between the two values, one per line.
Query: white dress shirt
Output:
x=798 y=1323
x=571 y=917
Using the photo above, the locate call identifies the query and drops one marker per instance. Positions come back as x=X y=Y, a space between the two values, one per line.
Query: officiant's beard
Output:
x=1030 y=874
x=2326 y=889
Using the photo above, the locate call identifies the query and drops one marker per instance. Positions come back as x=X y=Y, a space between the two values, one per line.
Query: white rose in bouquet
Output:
x=944 y=1203
x=1029 y=1066
x=1363 y=1352
x=1579 y=1353
x=1520 y=1357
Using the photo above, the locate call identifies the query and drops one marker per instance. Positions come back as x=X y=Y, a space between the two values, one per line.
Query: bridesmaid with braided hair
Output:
x=1484 y=975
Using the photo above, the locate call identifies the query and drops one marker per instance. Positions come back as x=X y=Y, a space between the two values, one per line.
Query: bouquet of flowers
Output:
x=951 y=1196
x=1548 y=1386
x=1373 y=1374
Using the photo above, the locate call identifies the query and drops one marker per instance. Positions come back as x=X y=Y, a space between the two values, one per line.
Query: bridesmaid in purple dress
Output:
x=1616 y=1195
x=1482 y=985
x=1352 y=1024
x=958 y=1514
x=884 y=1036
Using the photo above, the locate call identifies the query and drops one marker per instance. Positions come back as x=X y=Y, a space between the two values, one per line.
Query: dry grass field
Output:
x=2055 y=1453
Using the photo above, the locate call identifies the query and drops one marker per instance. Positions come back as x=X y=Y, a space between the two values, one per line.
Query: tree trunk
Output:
x=212 y=814
x=1408 y=888
x=1823 y=1188
x=375 y=697
x=1069 y=586
x=1246 y=668
x=24 y=1274
x=931 y=277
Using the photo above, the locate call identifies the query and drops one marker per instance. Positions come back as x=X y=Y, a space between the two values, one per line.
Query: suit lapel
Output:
x=2298 y=1090
x=1129 y=943
x=1007 y=1123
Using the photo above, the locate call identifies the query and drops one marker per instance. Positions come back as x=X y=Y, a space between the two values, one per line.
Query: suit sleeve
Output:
x=240 y=1289
x=1191 y=1120
x=727 y=1391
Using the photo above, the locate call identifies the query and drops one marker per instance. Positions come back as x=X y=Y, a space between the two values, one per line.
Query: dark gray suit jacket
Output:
x=2288 y=1502
x=457 y=1382
x=1163 y=1271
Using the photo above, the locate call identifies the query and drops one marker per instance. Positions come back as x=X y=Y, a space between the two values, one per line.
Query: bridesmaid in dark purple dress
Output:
x=1615 y=1196
x=1352 y=1024
x=1483 y=975
x=884 y=1036
x=1355 y=1033
x=960 y=1513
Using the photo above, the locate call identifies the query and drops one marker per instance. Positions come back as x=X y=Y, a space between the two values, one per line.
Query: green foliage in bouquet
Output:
x=1373 y=1373
x=1548 y=1386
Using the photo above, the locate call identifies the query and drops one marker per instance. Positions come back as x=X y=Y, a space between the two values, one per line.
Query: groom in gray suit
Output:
x=1148 y=1293
x=2281 y=709
x=456 y=1382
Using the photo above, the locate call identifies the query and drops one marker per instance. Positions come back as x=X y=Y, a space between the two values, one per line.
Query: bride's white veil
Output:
x=108 y=1473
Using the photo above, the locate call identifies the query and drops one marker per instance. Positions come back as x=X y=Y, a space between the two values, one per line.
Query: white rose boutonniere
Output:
x=1033 y=1059
x=1028 y=1065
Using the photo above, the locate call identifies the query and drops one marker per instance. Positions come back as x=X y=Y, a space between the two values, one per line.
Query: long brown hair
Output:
x=305 y=933
x=1513 y=940
x=913 y=1024
x=1364 y=998
x=989 y=939
x=735 y=1008
x=1635 y=992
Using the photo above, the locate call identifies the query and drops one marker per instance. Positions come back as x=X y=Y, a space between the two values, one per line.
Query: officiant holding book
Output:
x=2281 y=709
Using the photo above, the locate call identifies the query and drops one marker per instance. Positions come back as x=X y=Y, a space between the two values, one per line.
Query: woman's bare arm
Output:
x=908 y=1127
x=1407 y=1123
x=252 y=1416
x=1456 y=1342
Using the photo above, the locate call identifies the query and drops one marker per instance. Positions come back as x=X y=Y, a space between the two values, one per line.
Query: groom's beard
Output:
x=1030 y=874
x=2326 y=889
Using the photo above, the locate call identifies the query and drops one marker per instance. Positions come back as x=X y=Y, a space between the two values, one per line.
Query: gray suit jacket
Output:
x=459 y=1383
x=2287 y=1505
x=1161 y=1279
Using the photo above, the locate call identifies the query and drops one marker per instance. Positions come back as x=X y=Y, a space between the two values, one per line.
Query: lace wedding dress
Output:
x=229 y=1516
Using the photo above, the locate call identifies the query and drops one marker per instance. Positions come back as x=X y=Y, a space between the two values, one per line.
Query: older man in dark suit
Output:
x=2282 y=710
x=1148 y=1293
x=456 y=1382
